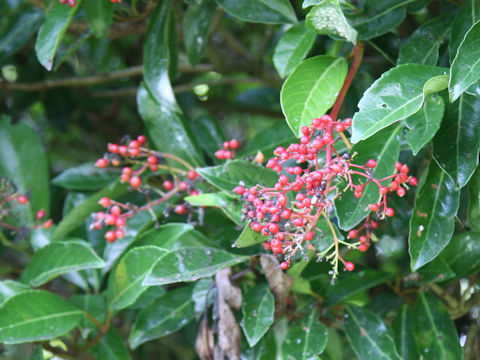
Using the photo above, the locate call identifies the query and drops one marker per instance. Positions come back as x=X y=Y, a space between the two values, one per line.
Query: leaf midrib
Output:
x=430 y=318
x=41 y=318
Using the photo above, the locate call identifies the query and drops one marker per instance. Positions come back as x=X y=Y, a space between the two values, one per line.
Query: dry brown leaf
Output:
x=204 y=343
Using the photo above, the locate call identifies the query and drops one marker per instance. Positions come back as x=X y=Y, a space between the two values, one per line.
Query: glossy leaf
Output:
x=60 y=258
x=248 y=237
x=473 y=210
x=311 y=89
x=57 y=19
x=262 y=11
x=437 y=270
x=403 y=330
x=164 y=121
x=457 y=143
x=463 y=253
x=258 y=307
x=226 y=177
x=9 y=288
x=428 y=38
x=384 y=147
x=465 y=69
x=84 y=177
x=433 y=219
x=23 y=162
x=36 y=316
x=309 y=3
x=435 y=333
x=230 y=207
x=166 y=315
x=269 y=139
x=292 y=48
x=424 y=124
x=196 y=25
x=189 y=264
x=327 y=19
x=203 y=292
x=99 y=16
x=125 y=282
x=306 y=340
x=468 y=15
x=398 y=94
x=369 y=336
x=111 y=347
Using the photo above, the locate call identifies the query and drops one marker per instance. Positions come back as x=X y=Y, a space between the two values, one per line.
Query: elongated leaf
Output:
x=99 y=16
x=23 y=162
x=463 y=253
x=164 y=121
x=111 y=347
x=262 y=11
x=428 y=38
x=307 y=340
x=292 y=48
x=465 y=70
x=425 y=122
x=258 y=308
x=84 y=177
x=57 y=19
x=311 y=89
x=384 y=147
x=433 y=219
x=226 y=177
x=368 y=335
x=434 y=331
x=457 y=143
x=473 y=210
x=398 y=94
x=189 y=264
x=468 y=15
x=60 y=258
x=196 y=25
x=327 y=19
x=125 y=282
x=9 y=288
x=166 y=315
x=403 y=329
x=230 y=207
x=36 y=316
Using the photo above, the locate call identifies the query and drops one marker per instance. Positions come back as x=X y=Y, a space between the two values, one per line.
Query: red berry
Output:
x=283 y=180
x=362 y=247
x=233 y=144
x=309 y=235
x=357 y=194
x=363 y=239
x=298 y=221
x=371 y=163
x=183 y=186
x=168 y=185
x=115 y=210
x=340 y=127
x=349 y=266
x=110 y=220
x=389 y=212
x=47 y=224
x=123 y=150
x=152 y=160
x=101 y=163
x=394 y=185
x=284 y=265
x=113 y=148
x=348 y=122
x=267 y=246
x=110 y=236
x=105 y=202
x=180 y=209
x=374 y=207
x=120 y=222
x=286 y=214
x=374 y=225
x=305 y=130
x=119 y=233
x=72 y=3
x=40 y=214
x=134 y=144
x=273 y=228
x=141 y=139
x=404 y=169
x=135 y=182
x=413 y=181
x=282 y=200
x=352 y=234
x=22 y=199
x=134 y=152
x=383 y=190
x=401 y=192
x=259 y=158
x=240 y=190
x=192 y=175
x=127 y=171
x=124 y=178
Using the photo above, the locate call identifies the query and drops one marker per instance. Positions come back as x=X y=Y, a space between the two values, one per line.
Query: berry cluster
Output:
x=228 y=150
x=308 y=184
x=139 y=164
x=73 y=3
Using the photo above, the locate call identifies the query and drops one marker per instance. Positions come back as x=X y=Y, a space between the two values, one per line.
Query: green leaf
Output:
x=403 y=333
x=248 y=237
x=196 y=25
x=435 y=333
x=227 y=176
x=165 y=122
x=433 y=219
x=9 y=288
x=424 y=124
x=201 y=289
x=292 y=48
x=327 y=19
x=125 y=282
x=99 y=16
x=384 y=147
x=428 y=37
x=111 y=347
x=468 y=15
x=258 y=308
x=368 y=335
x=166 y=315
x=311 y=89
x=230 y=207
x=23 y=162
x=457 y=143
x=57 y=19
x=25 y=25
x=437 y=270
x=84 y=177
x=465 y=70
x=306 y=340
x=36 y=316
x=60 y=258
x=378 y=17
x=262 y=11
x=398 y=94
x=463 y=253
x=189 y=264
x=308 y=3
x=269 y=139
x=473 y=210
